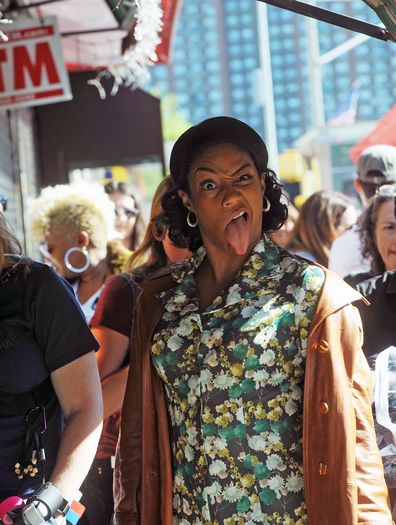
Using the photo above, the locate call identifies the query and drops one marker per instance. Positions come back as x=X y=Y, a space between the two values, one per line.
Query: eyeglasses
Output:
x=387 y=190
x=4 y=202
x=127 y=212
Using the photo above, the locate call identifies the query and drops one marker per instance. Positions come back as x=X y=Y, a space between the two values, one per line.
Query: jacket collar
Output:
x=335 y=295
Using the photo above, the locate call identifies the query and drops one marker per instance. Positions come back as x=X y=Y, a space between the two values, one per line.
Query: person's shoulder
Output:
x=160 y=281
x=378 y=284
x=42 y=273
x=298 y=271
x=120 y=282
x=354 y=279
x=298 y=261
x=336 y=293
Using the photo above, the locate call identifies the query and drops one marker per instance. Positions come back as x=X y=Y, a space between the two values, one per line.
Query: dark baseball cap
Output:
x=377 y=164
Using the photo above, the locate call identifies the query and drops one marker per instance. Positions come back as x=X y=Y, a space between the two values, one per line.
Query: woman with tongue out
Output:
x=248 y=399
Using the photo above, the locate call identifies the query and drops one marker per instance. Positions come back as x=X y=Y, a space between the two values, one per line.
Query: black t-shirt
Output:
x=378 y=319
x=42 y=329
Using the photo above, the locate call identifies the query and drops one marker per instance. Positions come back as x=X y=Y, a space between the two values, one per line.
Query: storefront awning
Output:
x=100 y=34
x=383 y=133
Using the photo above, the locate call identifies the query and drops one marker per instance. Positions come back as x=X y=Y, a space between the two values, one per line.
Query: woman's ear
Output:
x=156 y=232
x=83 y=239
x=185 y=199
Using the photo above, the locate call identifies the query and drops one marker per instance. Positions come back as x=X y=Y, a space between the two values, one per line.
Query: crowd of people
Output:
x=208 y=365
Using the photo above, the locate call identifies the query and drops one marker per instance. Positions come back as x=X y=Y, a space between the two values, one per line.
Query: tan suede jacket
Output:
x=343 y=476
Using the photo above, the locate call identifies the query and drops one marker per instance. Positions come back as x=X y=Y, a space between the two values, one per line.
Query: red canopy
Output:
x=170 y=8
x=383 y=133
x=98 y=50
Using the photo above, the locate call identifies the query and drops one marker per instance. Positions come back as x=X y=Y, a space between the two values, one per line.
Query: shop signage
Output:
x=32 y=70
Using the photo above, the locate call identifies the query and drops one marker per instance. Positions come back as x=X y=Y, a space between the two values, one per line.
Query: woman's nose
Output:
x=230 y=195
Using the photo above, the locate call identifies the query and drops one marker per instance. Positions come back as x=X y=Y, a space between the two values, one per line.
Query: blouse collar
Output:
x=264 y=257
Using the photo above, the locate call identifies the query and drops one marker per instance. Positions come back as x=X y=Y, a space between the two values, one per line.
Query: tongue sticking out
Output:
x=237 y=235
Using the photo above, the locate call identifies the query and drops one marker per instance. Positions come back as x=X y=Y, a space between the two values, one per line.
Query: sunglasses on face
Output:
x=129 y=213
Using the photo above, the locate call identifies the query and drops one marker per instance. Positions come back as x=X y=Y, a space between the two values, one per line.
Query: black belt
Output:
x=12 y=405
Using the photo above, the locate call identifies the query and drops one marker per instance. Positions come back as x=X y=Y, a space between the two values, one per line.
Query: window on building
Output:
x=237 y=79
x=236 y=64
x=232 y=20
x=238 y=94
x=213 y=66
x=217 y=109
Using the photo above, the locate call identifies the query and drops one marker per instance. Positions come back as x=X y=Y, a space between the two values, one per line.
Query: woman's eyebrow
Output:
x=211 y=170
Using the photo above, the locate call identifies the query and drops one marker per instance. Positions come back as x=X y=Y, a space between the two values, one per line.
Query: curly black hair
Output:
x=190 y=145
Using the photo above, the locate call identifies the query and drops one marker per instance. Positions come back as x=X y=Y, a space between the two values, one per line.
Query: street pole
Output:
x=315 y=75
x=268 y=106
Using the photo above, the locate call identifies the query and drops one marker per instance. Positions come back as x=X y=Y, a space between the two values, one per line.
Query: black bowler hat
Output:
x=212 y=132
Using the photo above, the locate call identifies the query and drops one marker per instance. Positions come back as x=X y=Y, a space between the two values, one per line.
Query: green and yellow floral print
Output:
x=234 y=377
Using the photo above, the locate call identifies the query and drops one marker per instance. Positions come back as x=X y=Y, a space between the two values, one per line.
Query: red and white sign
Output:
x=32 y=70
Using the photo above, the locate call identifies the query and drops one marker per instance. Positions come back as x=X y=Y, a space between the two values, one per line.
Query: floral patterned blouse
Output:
x=233 y=377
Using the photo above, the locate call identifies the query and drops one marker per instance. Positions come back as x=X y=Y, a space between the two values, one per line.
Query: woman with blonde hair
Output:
x=74 y=223
x=47 y=354
x=323 y=217
x=111 y=326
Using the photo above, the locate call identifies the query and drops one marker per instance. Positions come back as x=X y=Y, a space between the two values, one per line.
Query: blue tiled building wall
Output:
x=216 y=54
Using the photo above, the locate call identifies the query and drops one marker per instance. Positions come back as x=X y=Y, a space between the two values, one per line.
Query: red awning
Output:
x=170 y=8
x=86 y=47
x=383 y=133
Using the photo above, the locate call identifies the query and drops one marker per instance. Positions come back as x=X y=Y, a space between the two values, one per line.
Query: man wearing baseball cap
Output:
x=376 y=167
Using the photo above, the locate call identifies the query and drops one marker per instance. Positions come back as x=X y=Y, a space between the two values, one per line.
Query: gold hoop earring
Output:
x=267 y=206
x=192 y=224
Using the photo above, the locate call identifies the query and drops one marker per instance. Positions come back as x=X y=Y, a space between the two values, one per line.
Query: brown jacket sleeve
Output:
x=371 y=488
x=128 y=467
x=143 y=470
x=343 y=473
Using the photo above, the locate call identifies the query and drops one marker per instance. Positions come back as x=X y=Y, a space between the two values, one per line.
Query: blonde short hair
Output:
x=72 y=208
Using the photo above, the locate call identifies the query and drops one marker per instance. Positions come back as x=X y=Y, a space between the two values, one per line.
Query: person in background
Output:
x=130 y=223
x=47 y=354
x=231 y=359
x=74 y=223
x=111 y=326
x=377 y=227
x=376 y=167
x=323 y=217
x=377 y=230
x=284 y=235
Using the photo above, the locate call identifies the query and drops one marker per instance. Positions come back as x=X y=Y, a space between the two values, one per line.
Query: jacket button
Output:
x=322 y=469
x=322 y=346
x=323 y=408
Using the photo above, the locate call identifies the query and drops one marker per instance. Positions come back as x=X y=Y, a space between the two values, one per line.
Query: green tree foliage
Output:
x=173 y=122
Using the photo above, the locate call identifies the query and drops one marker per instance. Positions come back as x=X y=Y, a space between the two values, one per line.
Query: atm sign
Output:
x=32 y=70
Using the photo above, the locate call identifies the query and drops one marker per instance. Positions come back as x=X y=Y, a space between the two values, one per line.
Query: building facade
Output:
x=216 y=57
